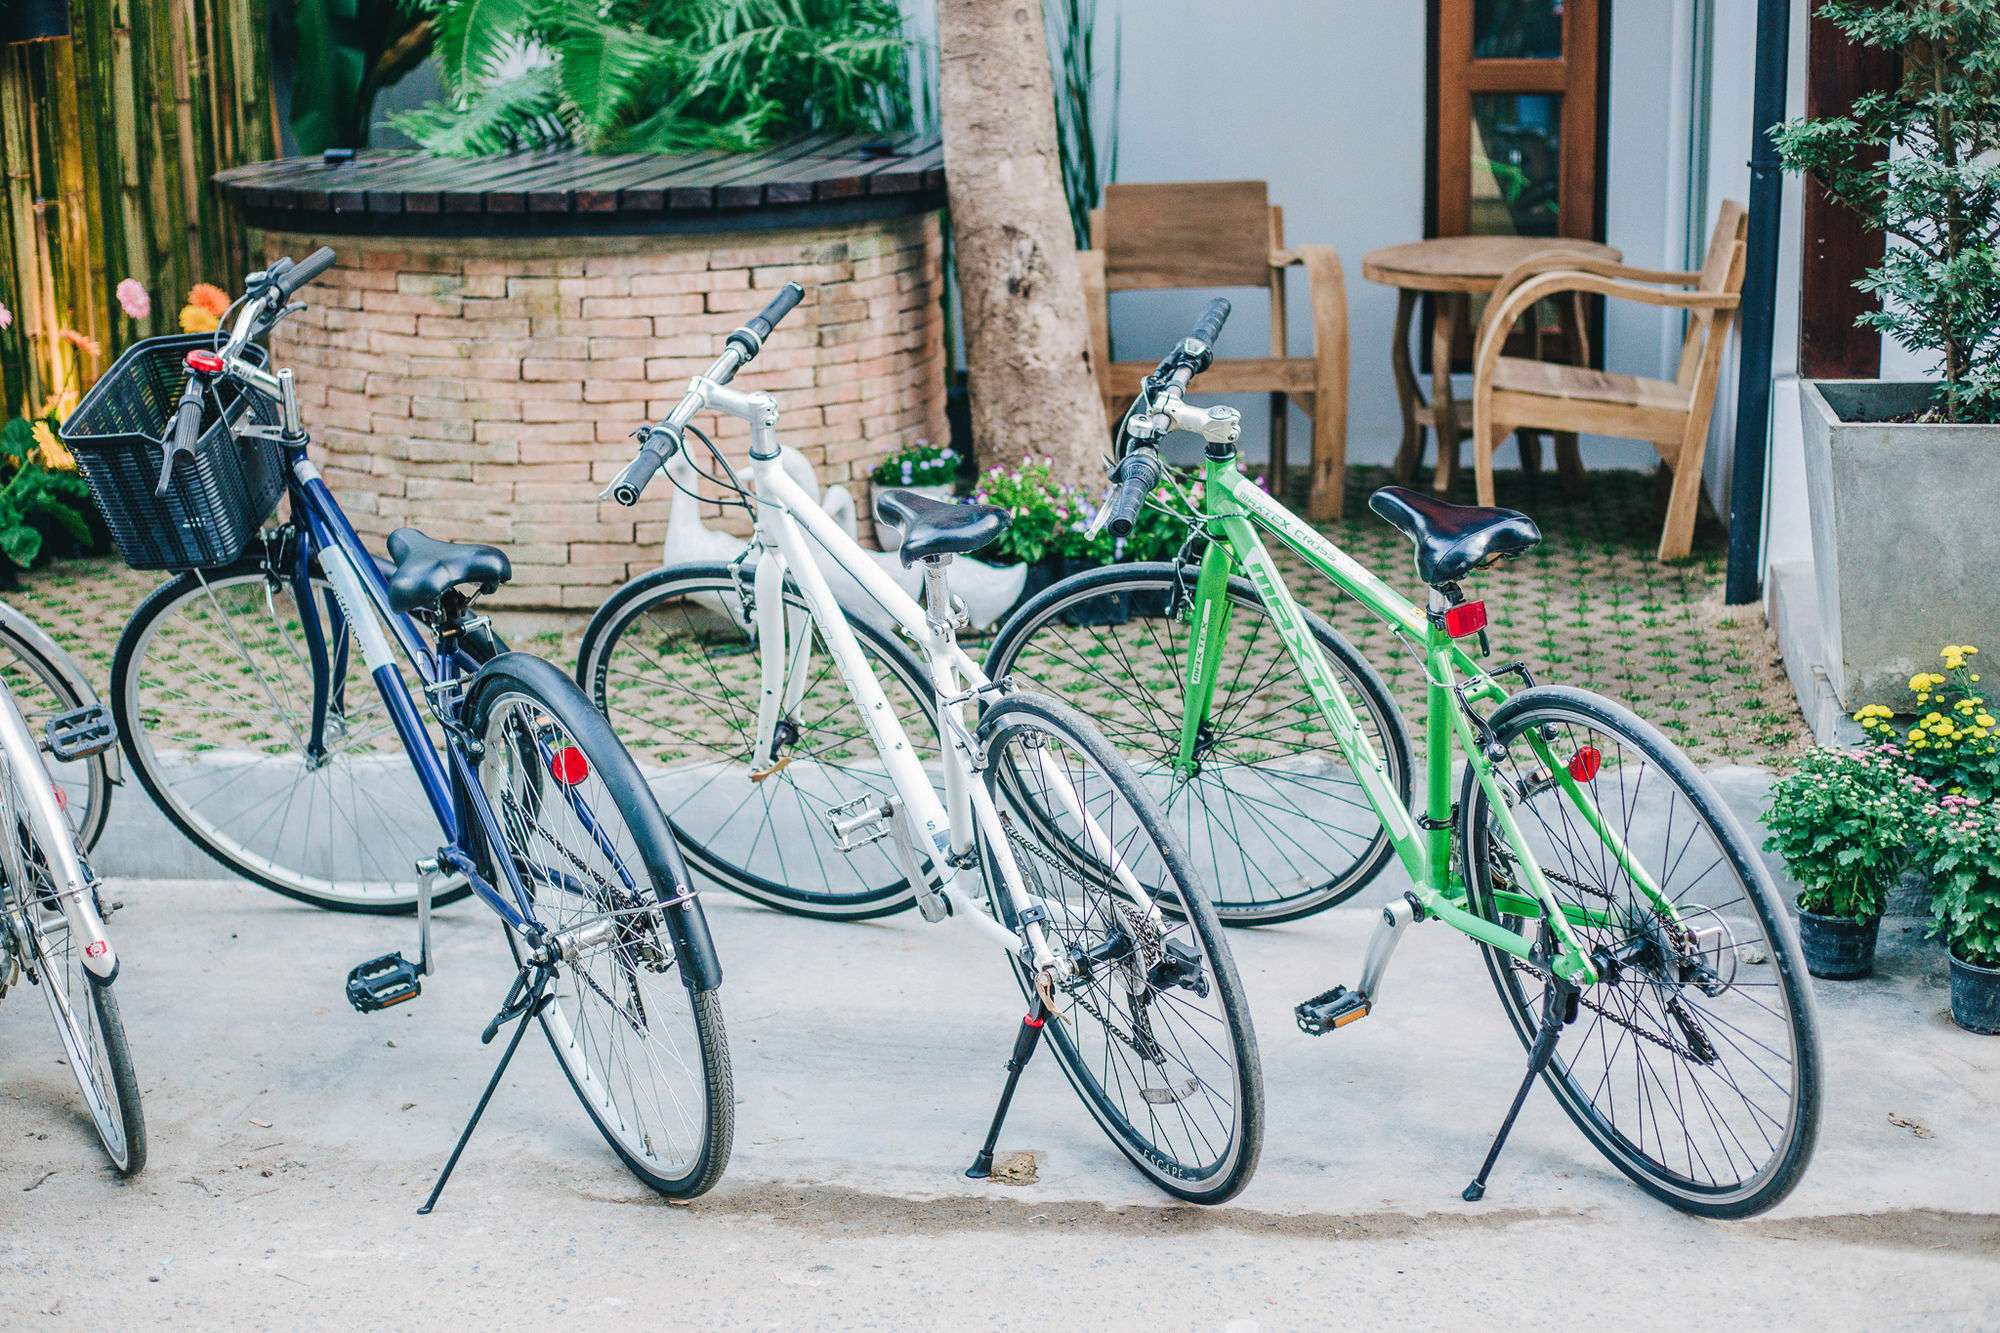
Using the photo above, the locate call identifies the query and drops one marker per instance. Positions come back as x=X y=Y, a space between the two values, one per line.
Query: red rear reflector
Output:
x=1465 y=618
x=206 y=363
x=569 y=766
x=1583 y=765
x=62 y=801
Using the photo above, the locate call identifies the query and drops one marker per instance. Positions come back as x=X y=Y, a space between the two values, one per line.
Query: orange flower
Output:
x=207 y=296
x=81 y=341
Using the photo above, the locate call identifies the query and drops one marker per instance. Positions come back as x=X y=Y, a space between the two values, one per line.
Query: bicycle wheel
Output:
x=211 y=688
x=643 y=1048
x=1154 y=1032
x=1695 y=1065
x=42 y=690
x=38 y=935
x=1275 y=820
x=672 y=660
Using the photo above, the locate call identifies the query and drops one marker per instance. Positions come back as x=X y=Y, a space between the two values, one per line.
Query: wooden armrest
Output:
x=1504 y=312
x=1326 y=281
x=1551 y=260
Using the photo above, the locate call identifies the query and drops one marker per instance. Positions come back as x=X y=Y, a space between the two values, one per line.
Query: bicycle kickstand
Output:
x=1558 y=1011
x=1025 y=1042
x=524 y=1001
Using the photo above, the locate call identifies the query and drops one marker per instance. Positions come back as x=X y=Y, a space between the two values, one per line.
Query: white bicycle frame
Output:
x=786 y=518
x=22 y=760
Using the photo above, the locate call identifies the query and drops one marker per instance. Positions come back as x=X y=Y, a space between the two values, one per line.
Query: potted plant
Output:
x=925 y=468
x=1897 y=467
x=1029 y=493
x=1080 y=551
x=1965 y=838
x=1843 y=822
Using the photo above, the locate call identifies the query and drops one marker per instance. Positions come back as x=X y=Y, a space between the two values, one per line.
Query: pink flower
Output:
x=132 y=297
x=6 y=318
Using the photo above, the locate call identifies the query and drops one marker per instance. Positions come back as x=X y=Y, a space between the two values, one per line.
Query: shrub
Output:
x=922 y=464
x=1844 y=821
x=630 y=76
x=1955 y=744
x=1965 y=878
x=1028 y=492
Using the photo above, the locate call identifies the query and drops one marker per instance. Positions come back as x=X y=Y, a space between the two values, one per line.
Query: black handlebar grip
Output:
x=1138 y=475
x=314 y=264
x=187 y=429
x=752 y=335
x=1207 y=329
x=658 y=446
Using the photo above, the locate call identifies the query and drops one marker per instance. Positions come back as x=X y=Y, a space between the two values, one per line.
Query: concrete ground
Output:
x=292 y=1140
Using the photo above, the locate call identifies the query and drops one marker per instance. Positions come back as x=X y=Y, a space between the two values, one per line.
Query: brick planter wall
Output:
x=485 y=389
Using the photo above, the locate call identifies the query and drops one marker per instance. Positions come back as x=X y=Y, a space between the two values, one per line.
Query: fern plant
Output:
x=670 y=76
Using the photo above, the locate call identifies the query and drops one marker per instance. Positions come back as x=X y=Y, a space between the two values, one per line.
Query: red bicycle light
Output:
x=568 y=766
x=204 y=363
x=1465 y=618
x=1583 y=765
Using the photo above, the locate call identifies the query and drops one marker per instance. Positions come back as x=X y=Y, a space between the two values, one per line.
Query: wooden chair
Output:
x=1227 y=234
x=1510 y=393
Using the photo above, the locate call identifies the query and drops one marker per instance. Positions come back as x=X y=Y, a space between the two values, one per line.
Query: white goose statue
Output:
x=988 y=591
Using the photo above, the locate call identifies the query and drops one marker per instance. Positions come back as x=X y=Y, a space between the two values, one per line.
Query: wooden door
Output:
x=1515 y=117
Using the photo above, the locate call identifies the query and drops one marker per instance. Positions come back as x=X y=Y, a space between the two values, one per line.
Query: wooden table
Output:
x=1455 y=269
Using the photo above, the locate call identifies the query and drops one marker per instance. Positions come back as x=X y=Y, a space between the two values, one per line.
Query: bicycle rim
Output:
x=640 y=1050
x=41 y=692
x=212 y=688
x=1272 y=817
x=1710 y=1101
x=1153 y=1031
x=674 y=666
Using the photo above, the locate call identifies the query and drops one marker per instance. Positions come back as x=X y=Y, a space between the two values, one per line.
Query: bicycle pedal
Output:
x=1337 y=1008
x=381 y=982
x=80 y=733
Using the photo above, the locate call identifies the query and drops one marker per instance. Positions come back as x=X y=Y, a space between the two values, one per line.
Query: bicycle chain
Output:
x=1673 y=1002
x=1143 y=930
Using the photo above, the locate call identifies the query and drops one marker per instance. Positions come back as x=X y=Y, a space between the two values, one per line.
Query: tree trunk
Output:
x=1027 y=338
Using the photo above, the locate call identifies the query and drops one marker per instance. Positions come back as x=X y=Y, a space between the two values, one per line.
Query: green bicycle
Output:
x=1636 y=941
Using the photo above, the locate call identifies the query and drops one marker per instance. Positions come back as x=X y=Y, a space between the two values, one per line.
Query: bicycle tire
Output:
x=195 y=753
x=615 y=869
x=43 y=688
x=1652 y=1005
x=1278 y=840
x=1103 y=931
x=692 y=721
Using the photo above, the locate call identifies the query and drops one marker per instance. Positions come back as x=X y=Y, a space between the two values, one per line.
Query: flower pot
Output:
x=1108 y=609
x=1040 y=575
x=1838 y=948
x=1975 y=997
x=1153 y=605
x=1901 y=523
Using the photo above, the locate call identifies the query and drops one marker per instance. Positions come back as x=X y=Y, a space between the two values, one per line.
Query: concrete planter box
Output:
x=1905 y=535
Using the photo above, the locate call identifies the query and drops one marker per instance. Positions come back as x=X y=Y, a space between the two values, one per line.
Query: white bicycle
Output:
x=51 y=916
x=1011 y=815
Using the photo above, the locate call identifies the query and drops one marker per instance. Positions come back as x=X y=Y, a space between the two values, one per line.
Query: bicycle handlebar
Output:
x=1206 y=330
x=187 y=429
x=298 y=275
x=752 y=335
x=1137 y=476
x=654 y=451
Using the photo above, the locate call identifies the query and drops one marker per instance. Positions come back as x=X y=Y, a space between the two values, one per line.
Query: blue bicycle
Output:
x=238 y=693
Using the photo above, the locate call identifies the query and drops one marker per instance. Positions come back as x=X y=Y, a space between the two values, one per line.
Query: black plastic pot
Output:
x=1108 y=609
x=1040 y=575
x=1975 y=997
x=1838 y=948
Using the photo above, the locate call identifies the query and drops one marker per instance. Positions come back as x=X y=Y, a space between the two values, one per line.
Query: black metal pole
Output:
x=1759 y=310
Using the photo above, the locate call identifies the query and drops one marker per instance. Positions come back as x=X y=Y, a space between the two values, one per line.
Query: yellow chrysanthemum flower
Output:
x=53 y=453
x=196 y=320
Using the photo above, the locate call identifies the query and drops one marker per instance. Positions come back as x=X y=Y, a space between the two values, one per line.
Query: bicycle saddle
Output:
x=937 y=527
x=1453 y=540
x=426 y=567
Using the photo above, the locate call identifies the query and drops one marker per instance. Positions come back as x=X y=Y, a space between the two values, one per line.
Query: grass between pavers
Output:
x=1589 y=607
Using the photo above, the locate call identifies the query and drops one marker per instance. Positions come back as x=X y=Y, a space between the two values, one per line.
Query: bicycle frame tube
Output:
x=1234 y=507
x=363 y=598
x=67 y=878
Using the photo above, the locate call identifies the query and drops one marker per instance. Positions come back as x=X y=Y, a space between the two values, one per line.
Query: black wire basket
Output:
x=218 y=498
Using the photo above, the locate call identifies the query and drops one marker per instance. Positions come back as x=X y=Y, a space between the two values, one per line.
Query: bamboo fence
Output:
x=109 y=138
